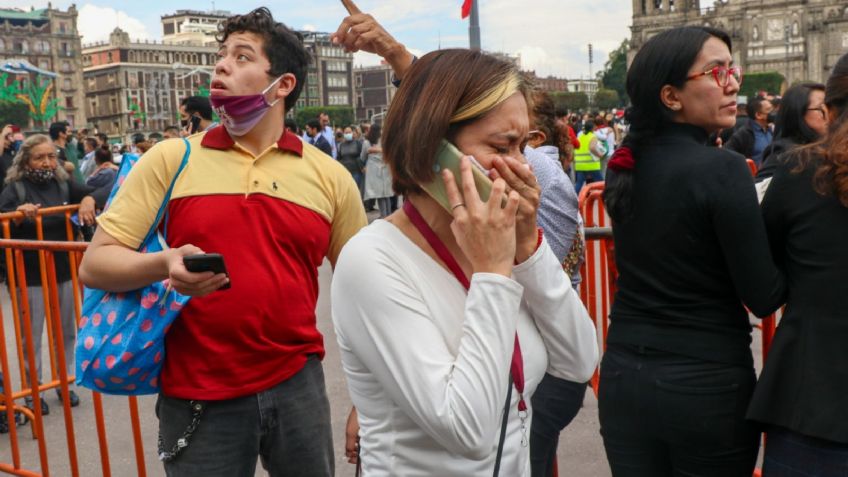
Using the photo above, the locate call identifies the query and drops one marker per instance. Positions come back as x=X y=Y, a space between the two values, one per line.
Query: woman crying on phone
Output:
x=448 y=316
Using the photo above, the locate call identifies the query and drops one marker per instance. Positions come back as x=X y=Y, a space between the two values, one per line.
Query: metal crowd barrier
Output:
x=11 y=401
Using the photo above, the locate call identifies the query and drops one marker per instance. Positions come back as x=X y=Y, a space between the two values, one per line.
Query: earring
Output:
x=675 y=107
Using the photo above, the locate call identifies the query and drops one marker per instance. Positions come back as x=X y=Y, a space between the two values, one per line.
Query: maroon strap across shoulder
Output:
x=517 y=365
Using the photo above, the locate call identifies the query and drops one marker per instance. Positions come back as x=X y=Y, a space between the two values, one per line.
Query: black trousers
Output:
x=555 y=404
x=663 y=414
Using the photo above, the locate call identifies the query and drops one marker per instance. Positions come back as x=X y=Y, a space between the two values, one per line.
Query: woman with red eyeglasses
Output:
x=690 y=248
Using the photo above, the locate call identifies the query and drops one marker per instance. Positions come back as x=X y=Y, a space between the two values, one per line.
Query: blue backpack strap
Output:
x=163 y=208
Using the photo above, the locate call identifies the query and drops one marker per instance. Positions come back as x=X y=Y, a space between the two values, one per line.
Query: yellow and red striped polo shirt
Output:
x=274 y=217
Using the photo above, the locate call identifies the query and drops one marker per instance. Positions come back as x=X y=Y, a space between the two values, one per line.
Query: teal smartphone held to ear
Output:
x=448 y=157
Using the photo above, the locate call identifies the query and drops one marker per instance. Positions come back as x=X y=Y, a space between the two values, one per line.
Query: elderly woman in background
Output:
x=448 y=319
x=35 y=181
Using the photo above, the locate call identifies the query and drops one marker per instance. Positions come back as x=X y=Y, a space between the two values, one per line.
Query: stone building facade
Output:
x=153 y=75
x=48 y=39
x=800 y=39
x=374 y=92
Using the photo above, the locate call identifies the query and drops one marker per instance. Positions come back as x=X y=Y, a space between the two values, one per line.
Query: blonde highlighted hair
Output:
x=442 y=92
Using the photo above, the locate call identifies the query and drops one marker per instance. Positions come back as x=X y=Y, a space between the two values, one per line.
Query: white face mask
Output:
x=348 y=136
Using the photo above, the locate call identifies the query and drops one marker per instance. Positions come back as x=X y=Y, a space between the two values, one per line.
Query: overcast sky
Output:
x=550 y=35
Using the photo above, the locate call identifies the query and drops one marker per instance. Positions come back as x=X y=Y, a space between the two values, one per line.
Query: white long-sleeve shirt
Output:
x=427 y=365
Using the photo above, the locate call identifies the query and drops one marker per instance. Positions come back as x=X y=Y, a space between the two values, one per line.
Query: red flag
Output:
x=466 y=8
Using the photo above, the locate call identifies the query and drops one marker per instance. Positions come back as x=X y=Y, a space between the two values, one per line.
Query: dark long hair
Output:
x=663 y=60
x=831 y=174
x=790 y=121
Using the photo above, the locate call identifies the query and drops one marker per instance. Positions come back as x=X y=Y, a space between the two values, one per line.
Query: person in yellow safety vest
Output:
x=587 y=158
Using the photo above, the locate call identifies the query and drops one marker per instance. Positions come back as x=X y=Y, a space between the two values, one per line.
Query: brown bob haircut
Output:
x=438 y=86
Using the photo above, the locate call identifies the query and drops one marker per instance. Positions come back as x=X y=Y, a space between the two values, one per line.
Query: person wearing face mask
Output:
x=801 y=120
x=691 y=251
x=753 y=138
x=274 y=207
x=350 y=156
x=35 y=180
x=196 y=115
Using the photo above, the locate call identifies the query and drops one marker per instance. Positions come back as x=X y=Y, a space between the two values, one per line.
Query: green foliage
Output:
x=607 y=99
x=614 y=74
x=570 y=101
x=770 y=81
x=13 y=113
x=340 y=116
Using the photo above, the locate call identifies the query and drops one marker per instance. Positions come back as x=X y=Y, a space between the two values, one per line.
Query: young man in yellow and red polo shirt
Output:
x=274 y=207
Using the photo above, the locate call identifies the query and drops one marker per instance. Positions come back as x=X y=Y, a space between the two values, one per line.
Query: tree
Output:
x=570 y=101
x=752 y=83
x=340 y=116
x=614 y=74
x=607 y=99
x=14 y=113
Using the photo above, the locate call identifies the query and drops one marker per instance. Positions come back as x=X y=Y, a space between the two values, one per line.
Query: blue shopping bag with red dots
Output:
x=121 y=338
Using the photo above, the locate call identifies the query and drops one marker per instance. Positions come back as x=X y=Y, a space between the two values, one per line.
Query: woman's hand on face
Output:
x=519 y=177
x=86 y=211
x=484 y=231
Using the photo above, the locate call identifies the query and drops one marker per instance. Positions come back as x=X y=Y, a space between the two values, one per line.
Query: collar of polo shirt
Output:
x=218 y=138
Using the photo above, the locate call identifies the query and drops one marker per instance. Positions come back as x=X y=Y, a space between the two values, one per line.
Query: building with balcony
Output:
x=48 y=39
x=329 y=79
x=137 y=86
x=192 y=26
x=374 y=92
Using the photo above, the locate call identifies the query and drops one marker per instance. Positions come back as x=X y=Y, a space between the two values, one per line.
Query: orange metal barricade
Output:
x=598 y=271
x=28 y=385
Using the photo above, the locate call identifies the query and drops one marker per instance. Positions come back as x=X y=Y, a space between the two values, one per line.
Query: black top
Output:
x=323 y=144
x=48 y=195
x=772 y=154
x=804 y=385
x=692 y=252
x=350 y=155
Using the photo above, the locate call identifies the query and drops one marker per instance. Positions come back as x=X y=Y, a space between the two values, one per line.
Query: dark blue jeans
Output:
x=287 y=426
x=555 y=403
x=789 y=454
x=585 y=177
x=663 y=414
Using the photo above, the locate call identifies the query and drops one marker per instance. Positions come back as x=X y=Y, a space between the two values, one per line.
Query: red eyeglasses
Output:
x=721 y=74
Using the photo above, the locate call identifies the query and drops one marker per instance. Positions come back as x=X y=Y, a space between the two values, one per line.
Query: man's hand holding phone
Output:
x=519 y=177
x=191 y=283
x=485 y=231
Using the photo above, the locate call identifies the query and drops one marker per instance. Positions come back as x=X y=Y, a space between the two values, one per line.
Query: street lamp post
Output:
x=786 y=41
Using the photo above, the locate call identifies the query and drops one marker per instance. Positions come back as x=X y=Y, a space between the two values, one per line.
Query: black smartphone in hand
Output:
x=207 y=262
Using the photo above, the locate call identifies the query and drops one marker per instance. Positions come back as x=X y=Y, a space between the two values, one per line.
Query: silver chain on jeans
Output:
x=197 y=408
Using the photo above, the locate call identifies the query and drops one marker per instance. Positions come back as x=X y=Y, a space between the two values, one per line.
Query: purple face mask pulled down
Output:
x=239 y=114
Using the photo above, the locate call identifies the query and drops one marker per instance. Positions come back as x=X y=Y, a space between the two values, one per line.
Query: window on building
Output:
x=337 y=81
x=92 y=83
x=2 y=45
x=109 y=57
x=67 y=83
x=44 y=64
x=66 y=66
x=69 y=102
x=65 y=49
x=62 y=27
x=358 y=81
x=70 y=119
x=21 y=46
x=338 y=99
